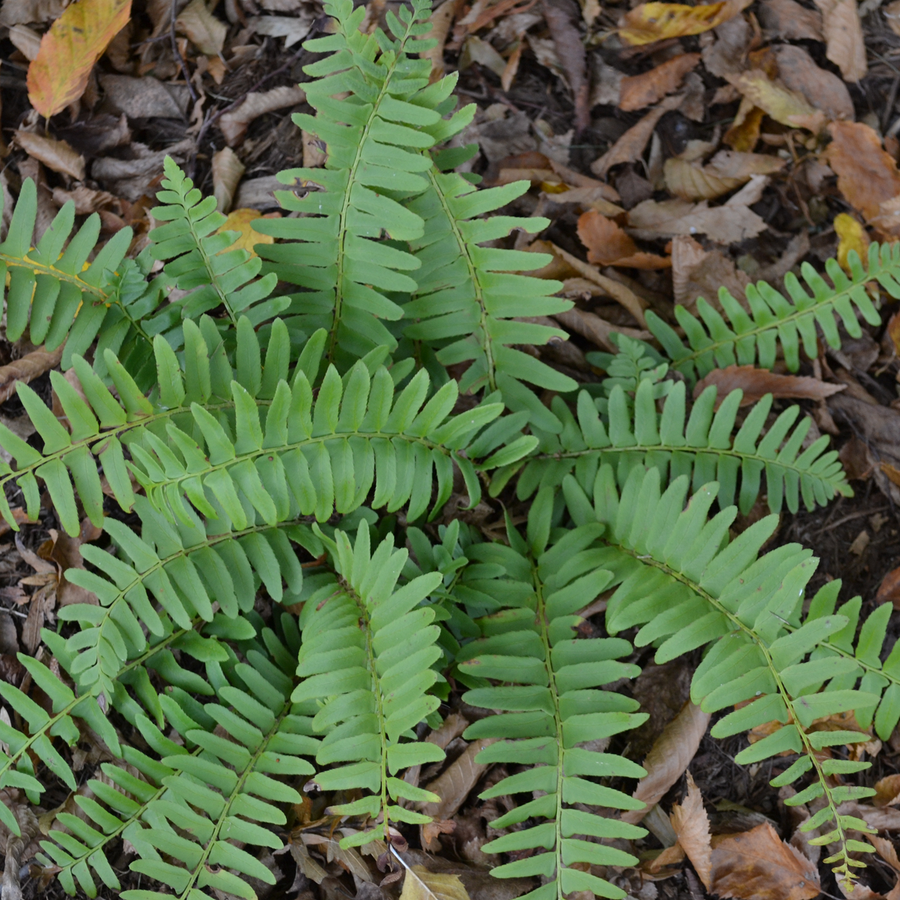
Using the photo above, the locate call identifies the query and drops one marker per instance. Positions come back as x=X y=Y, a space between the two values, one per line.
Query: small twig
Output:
x=177 y=54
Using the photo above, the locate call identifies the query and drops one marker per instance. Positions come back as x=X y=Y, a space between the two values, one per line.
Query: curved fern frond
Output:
x=699 y=445
x=687 y=587
x=753 y=338
x=366 y=659
x=374 y=137
x=467 y=301
x=552 y=704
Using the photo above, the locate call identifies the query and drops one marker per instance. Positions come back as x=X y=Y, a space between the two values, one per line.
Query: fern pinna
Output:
x=280 y=448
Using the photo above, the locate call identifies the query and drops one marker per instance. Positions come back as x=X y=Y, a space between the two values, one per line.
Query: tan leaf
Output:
x=843 y=37
x=440 y=22
x=59 y=73
x=608 y=245
x=292 y=28
x=631 y=145
x=595 y=329
x=745 y=130
x=590 y=198
x=776 y=100
x=691 y=826
x=758 y=865
x=567 y=40
x=700 y=273
x=756 y=383
x=867 y=174
x=202 y=28
x=791 y=21
x=728 y=55
x=86 y=200
x=655 y=21
x=26 y=40
x=241 y=221
x=823 y=89
x=727 y=224
x=693 y=181
x=638 y=91
x=227 y=170
x=887 y=789
x=56 y=155
x=26 y=369
x=420 y=884
x=670 y=755
x=233 y=125
x=455 y=783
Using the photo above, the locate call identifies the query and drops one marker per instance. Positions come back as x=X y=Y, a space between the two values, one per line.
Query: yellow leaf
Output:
x=420 y=884
x=654 y=21
x=240 y=221
x=59 y=73
x=852 y=236
x=775 y=100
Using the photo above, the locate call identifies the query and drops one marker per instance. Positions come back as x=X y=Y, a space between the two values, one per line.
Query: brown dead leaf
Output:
x=669 y=757
x=745 y=130
x=887 y=789
x=234 y=124
x=790 y=21
x=728 y=55
x=867 y=174
x=823 y=89
x=202 y=28
x=608 y=245
x=227 y=170
x=631 y=145
x=891 y=14
x=59 y=73
x=146 y=97
x=758 y=865
x=843 y=37
x=650 y=22
x=691 y=825
x=756 y=383
x=700 y=273
x=440 y=22
x=726 y=224
x=638 y=91
x=889 y=592
x=26 y=40
x=56 y=155
x=26 y=369
x=455 y=783
x=597 y=330
x=783 y=105
x=86 y=200
x=691 y=180
x=561 y=16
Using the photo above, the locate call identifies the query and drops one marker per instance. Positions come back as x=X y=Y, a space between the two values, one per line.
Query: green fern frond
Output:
x=374 y=137
x=552 y=705
x=753 y=338
x=699 y=445
x=467 y=301
x=681 y=580
x=366 y=659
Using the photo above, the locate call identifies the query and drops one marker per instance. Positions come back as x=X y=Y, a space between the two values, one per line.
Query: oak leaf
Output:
x=638 y=91
x=609 y=245
x=756 y=383
x=59 y=73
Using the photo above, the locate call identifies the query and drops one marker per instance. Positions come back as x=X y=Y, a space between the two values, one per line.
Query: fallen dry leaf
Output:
x=654 y=21
x=788 y=20
x=843 y=37
x=202 y=28
x=728 y=55
x=631 y=145
x=726 y=224
x=227 y=170
x=241 y=221
x=234 y=124
x=26 y=369
x=638 y=91
x=867 y=174
x=56 y=155
x=783 y=105
x=756 y=383
x=887 y=789
x=292 y=28
x=595 y=329
x=420 y=884
x=455 y=783
x=58 y=75
x=891 y=14
x=758 y=865
x=700 y=273
x=889 y=592
x=691 y=826
x=851 y=236
x=440 y=22
x=608 y=245
x=668 y=758
x=560 y=16
x=26 y=40
x=823 y=89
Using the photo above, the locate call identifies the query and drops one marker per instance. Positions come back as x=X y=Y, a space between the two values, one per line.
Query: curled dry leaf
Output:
x=777 y=101
x=756 y=383
x=560 y=16
x=227 y=170
x=889 y=592
x=440 y=22
x=887 y=789
x=608 y=245
x=454 y=784
x=638 y=91
x=691 y=826
x=669 y=758
x=843 y=37
x=654 y=21
x=26 y=369
x=867 y=174
x=202 y=28
x=58 y=75
x=234 y=124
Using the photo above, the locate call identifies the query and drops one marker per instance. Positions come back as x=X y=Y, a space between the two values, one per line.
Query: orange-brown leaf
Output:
x=756 y=383
x=58 y=75
x=608 y=245
x=638 y=91
x=758 y=865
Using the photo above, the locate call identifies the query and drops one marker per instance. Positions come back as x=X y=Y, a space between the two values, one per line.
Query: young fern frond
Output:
x=367 y=660
x=774 y=320
x=687 y=587
x=466 y=299
x=699 y=445
x=375 y=137
x=553 y=704
x=198 y=259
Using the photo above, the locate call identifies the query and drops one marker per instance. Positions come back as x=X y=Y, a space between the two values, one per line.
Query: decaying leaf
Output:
x=669 y=757
x=783 y=105
x=756 y=383
x=608 y=245
x=638 y=91
x=823 y=89
x=560 y=16
x=867 y=174
x=26 y=369
x=227 y=170
x=440 y=22
x=843 y=37
x=691 y=826
x=789 y=20
x=202 y=28
x=292 y=28
x=420 y=884
x=727 y=224
x=234 y=124
x=596 y=329
x=241 y=221
x=455 y=783
x=58 y=75
x=654 y=21
x=56 y=155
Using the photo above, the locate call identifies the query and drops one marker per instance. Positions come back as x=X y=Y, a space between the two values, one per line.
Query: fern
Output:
x=774 y=320
x=699 y=445
x=367 y=656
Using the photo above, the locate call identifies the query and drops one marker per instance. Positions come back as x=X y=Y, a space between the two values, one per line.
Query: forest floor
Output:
x=673 y=155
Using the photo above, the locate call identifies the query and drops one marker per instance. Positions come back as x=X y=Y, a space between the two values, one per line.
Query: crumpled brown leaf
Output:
x=56 y=155
x=608 y=245
x=26 y=369
x=790 y=21
x=756 y=383
x=561 y=16
x=697 y=272
x=638 y=91
x=234 y=124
